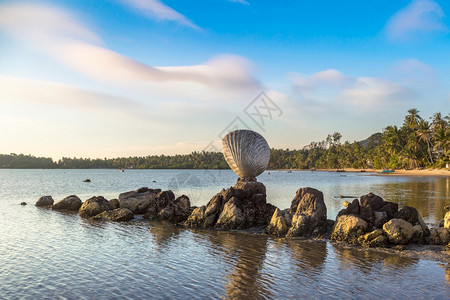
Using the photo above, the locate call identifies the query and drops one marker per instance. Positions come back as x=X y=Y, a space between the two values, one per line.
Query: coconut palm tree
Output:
x=424 y=134
x=412 y=119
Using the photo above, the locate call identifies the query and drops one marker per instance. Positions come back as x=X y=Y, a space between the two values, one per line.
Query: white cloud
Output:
x=420 y=16
x=326 y=89
x=157 y=9
x=62 y=36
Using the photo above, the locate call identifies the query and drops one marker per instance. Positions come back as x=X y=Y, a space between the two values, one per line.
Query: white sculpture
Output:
x=246 y=152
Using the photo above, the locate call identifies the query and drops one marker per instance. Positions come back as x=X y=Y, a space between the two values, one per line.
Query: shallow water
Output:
x=51 y=255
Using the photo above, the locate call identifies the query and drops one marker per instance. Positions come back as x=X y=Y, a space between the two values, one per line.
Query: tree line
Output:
x=418 y=143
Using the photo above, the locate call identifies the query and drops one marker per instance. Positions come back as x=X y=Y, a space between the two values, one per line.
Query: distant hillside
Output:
x=372 y=141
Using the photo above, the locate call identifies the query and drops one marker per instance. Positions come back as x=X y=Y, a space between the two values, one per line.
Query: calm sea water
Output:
x=51 y=255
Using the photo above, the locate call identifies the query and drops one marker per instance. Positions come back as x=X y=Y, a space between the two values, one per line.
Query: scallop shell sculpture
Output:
x=246 y=152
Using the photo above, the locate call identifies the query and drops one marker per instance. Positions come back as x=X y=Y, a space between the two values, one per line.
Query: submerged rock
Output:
x=45 y=201
x=116 y=215
x=93 y=206
x=138 y=201
x=70 y=203
x=348 y=228
x=398 y=231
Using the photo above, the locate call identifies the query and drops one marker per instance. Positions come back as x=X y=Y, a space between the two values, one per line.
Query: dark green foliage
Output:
x=416 y=144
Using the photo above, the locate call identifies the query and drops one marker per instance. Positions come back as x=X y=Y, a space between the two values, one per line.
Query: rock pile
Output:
x=239 y=207
x=373 y=222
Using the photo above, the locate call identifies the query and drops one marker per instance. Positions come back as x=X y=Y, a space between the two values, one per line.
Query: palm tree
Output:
x=424 y=134
x=412 y=119
x=437 y=121
x=442 y=140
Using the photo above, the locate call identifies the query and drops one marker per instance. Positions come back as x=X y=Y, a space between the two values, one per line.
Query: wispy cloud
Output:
x=62 y=36
x=240 y=1
x=157 y=10
x=332 y=87
x=420 y=16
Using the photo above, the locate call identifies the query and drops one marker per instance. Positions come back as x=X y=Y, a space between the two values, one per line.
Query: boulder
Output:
x=176 y=211
x=447 y=220
x=138 y=201
x=309 y=214
x=159 y=203
x=366 y=214
x=440 y=236
x=232 y=216
x=23 y=203
x=45 y=201
x=375 y=202
x=373 y=239
x=380 y=217
x=278 y=224
x=398 y=231
x=196 y=218
x=70 y=203
x=116 y=215
x=390 y=208
x=353 y=208
x=348 y=228
x=94 y=206
x=408 y=214
x=114 y=203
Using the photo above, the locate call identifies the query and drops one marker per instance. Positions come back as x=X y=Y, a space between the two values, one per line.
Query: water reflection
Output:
x=427 y=195
x=245 y=256
x=366 y=259
x=164 y=234
x=309 y=256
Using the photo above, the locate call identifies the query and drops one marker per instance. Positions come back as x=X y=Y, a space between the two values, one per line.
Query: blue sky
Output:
x=138 y=77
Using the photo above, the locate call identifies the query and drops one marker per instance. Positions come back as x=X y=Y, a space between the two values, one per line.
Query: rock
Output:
x=87 y=180
x=353 y=208
x=348 y=228
x=346 y=204
x=398 y=231
x=232 y=216
x=116 y=215
x=408 y=214
x=390 y=208
x=176 y=211
x=94 y=206
x=447 y=220
x=418 y=235
x=23 y=203
x=440 y=236
x=70 y=203
x=380 y=217
x=114 y=203
x=138 y=201
x=249 y=204
x=278 y=224
x=158 y=204
x=196 y=218
x=310 y=216
x=375 y=202
x=366 y=214
x=45 y=201
x=373 y=239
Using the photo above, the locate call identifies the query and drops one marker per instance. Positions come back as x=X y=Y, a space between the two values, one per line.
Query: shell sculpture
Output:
x=246 y=152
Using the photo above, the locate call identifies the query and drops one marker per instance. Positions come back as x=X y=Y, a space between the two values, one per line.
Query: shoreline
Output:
x=377 y=172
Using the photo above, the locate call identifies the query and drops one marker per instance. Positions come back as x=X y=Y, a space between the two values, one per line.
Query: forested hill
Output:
x=417 y=143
